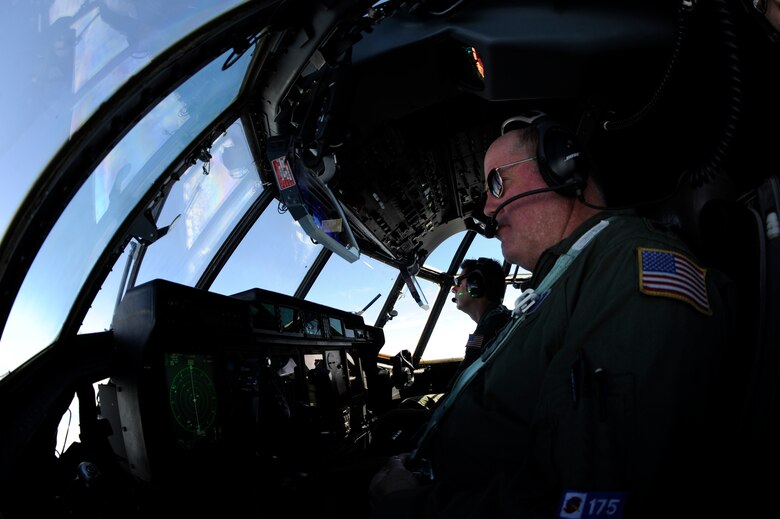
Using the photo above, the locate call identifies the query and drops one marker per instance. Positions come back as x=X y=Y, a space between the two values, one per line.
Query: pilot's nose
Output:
x=490 y=205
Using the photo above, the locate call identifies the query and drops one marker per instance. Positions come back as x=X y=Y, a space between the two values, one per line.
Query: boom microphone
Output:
x=491 y=227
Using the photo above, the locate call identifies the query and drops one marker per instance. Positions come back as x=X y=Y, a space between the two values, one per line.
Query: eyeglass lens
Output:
x=495 y=182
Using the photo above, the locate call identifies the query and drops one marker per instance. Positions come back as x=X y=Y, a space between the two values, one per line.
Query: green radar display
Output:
x=192 y=395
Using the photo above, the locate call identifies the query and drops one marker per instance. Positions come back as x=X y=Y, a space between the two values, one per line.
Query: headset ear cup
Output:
x=475 y=283
x=562 y=161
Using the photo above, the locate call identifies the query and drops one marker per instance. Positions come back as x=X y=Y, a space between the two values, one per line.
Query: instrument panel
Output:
x=209 y=383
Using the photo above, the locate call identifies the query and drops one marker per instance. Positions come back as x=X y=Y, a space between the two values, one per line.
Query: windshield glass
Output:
x=201 y=209
x=275 y=255
x=70 y=57
x=104 y=202
x=352 y=286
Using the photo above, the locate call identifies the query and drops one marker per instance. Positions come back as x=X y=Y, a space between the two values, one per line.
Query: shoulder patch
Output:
x=670 y=274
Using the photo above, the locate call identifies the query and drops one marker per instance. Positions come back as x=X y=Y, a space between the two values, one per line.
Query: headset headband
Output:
x=527 y=119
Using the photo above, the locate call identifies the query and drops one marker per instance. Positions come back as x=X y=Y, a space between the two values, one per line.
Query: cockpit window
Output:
x=105 y=201
x=353 y=286
x=203 y=206
x=274 y=255
x=403 y=331
x=82 y=52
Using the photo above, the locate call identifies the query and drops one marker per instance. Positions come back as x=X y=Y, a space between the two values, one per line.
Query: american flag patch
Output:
x=670 y=274
x=475 y=341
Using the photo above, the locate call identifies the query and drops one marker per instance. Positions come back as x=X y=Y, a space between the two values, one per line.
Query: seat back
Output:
x=742 y=238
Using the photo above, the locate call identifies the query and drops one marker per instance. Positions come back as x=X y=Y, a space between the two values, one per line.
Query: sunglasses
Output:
x=457 y=280
x=495 y=183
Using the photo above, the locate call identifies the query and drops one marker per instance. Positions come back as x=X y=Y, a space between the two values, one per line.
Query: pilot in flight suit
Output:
x=601 y=394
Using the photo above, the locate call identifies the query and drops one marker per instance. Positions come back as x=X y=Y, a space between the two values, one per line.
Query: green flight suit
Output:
x=606 y=386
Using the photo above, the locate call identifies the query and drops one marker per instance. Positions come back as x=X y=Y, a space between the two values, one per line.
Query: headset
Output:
x=562 y=161
x=475 y=283
x=485 y=278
